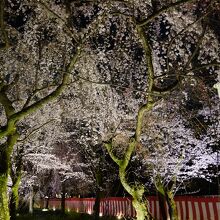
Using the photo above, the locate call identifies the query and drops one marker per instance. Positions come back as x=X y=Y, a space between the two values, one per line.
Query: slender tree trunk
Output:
x=31 y=200
x=47 y=203
x=99 y=182
x=63 y=198
x=166 y=193
x=96 y=208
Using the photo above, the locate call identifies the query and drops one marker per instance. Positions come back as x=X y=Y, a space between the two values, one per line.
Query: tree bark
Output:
x=4 y=210
x=171 y=206
x=136 y=191
x=165 y=195
x=141 y=209
x=4 y=172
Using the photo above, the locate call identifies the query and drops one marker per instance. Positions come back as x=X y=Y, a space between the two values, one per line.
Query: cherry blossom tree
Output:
x=38 y=53
x=118 y=60
x=174 y=155
x=163 y=62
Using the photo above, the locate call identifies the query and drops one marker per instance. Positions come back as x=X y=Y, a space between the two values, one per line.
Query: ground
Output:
x=51 y=215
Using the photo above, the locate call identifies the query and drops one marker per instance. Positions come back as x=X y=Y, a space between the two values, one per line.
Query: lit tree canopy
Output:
x=108 y=66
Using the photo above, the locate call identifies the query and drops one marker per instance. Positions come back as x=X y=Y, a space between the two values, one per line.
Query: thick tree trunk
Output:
x=137 y=193
x=141 y=209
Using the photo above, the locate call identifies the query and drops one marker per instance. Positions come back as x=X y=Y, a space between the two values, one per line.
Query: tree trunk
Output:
x=4 y=210
x=16 y=179
x=96 y=207
x=166 y=193
x=171 y=206
x=141 y=209
x=99 y=183
x=136 y=191
x=31 y=200
x=63 y=198
x=162 y=205
x=47 y=203
x=4 y=171
x=13 y=203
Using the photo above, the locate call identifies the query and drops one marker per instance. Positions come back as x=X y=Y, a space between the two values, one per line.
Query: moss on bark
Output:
x=10 y=132
x=136 y=191
x=16 y=179
x=166 y=197
x=4 y=210
x=14 y=202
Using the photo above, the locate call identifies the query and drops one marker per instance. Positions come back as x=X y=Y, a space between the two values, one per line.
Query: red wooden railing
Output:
x=188 y=207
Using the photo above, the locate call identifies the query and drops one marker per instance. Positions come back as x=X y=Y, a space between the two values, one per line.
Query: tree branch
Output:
x=36 y=130
x=128 y=153
x=108 y=146
x=161 y=11
x=180 y=33
x=150 y=103
x=6 y=102
x=39 y=104
x=196 y=50
x=52 y=13
x=203 y=66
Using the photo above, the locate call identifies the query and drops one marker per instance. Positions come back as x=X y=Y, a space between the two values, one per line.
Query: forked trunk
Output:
x=137 y=193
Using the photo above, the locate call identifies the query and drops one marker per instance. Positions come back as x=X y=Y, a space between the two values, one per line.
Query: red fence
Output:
x=189 y=208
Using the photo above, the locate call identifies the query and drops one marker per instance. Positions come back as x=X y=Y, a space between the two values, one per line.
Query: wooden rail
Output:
x=188 y=207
